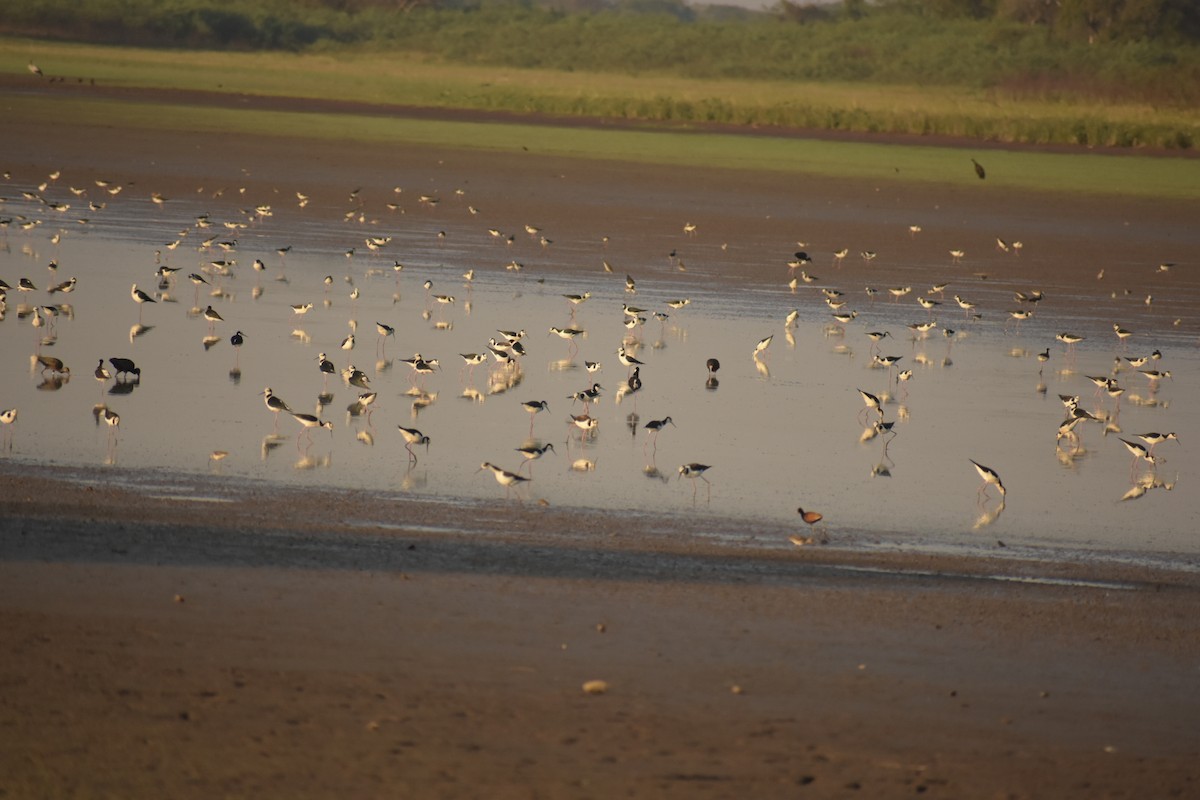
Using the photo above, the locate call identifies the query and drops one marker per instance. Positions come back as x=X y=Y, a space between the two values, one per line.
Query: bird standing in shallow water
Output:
x=141 y=298
x=274 y=404
x=653 y=427
x=811 y=518
x=696 y=470
x=990 y=476
x=7 y=418
x=310 y=421
x=503 y=477
x=413 y=436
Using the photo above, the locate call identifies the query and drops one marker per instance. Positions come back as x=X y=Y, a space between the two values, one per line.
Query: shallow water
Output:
x=782 y=430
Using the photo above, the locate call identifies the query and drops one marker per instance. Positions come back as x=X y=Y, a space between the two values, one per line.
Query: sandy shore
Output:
x=281 y=644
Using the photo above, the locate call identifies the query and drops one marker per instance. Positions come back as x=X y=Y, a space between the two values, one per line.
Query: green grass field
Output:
x=410 y=82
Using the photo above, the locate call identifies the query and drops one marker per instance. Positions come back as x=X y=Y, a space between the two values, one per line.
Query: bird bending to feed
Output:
x=126 y=367
x=413 y=436
x=309 y=422
x=762 y=345
x=1155 y=439
x=503 y=477
x=53 y=365
x=990 y=476
x=695 y=470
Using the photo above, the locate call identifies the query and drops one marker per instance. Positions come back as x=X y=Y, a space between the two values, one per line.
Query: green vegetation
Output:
x=1096 y=73
x=1022 y=170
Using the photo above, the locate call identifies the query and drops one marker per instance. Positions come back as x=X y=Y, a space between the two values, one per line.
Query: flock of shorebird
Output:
x=504 y=352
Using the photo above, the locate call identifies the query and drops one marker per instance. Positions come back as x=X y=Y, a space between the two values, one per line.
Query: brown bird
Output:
x=979 y=170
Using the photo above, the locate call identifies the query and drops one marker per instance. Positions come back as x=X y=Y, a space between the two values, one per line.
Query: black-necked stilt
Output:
x=1069 y=339
x=310 y=421
x=140 y=298
x=326 y=367
x=356 y=377
x=7 y=418
x=533 y=452
x=237 y=340
x=626 y=359
x=348 y=342
x=1155 y=439
x=762 y=346
x=503 y=477
x=212 y=317
x=870 y=401
x=577 y=299
x=990 y=476
x=696 y=470
x=586 y=424
x=653 y=427
x=1152 y=375
x=533 y=407
x=1138 y=452
x=274 y=404
x=302 y=308
x=630 y=285
x=365 y=402
x=413 y=436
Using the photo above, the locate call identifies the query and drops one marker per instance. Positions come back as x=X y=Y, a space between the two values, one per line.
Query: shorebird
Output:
x=102 y=375
x=274 y=404
x=302 y=308
x=326 y=367
x=585 y=423
x=532 y=453
x=979 y=170
x=140 y=298
x=7 y=418
x=533 y=407
x=126 y=367
x=1155 y=439
x=1154 y=376
x=876 y=337
x=413 y=436
x=212 y=317
x=870 y=402
x=576 y=299
x=626 y=359
x=310 y=421
x=1138 y=451
x=653 y=427
x=695 y=470
x=990 y=476
x=762 y=345
x=113 y=420
x=503 y=477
